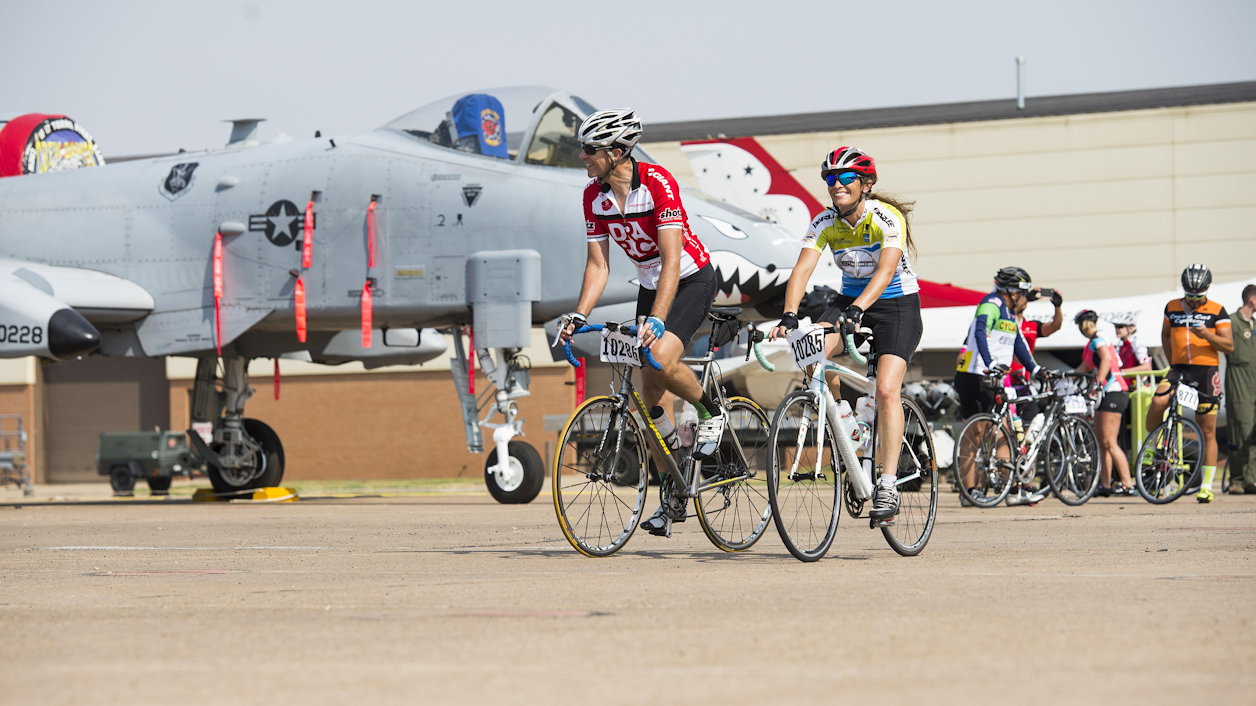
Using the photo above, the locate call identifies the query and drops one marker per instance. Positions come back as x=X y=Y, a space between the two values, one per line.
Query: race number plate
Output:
x=807 y=345
x=618 y=348
x=1075 y=404
x=1188 y=397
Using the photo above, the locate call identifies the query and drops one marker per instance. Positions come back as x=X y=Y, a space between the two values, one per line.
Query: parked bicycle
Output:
x=600 y=476
x=1061 y=450
x=1169 y=461
x=815 y=469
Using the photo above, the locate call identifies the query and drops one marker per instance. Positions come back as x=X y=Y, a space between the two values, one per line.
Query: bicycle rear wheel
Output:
x=917 y=485
x=1073 y=461
x=1169 y=460
x=734 y=509
x=804 y=483
x=597 y=509
x=985 y=460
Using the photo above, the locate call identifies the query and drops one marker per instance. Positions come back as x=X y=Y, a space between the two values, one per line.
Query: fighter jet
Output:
x=340 y=247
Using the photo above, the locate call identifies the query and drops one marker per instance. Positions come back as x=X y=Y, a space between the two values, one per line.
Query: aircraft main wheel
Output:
x=159 y=485
x=122 y=480
x=523 y=482
x=271 y=458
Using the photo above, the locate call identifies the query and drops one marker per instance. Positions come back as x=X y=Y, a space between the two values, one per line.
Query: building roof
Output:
x=1035 y=107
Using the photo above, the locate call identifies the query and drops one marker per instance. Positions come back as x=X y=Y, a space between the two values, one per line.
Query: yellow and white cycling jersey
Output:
x=857 y=251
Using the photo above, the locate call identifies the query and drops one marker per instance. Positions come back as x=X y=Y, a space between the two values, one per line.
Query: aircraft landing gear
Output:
x=244 y=454
x=519 y=476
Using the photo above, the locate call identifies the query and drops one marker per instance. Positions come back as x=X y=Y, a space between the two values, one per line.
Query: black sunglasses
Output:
x=591 y=150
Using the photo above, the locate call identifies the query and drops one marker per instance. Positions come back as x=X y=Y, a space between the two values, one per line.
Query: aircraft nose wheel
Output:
x=522 y=483
x=264 y=469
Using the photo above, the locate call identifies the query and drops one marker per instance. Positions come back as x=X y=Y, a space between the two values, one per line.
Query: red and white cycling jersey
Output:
x=652 y=205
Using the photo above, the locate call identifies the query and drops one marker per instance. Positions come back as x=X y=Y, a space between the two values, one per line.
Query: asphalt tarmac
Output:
x=455 y=599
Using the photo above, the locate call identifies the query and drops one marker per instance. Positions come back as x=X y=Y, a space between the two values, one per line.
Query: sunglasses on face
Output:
x=845 y=178
x=1197 y=297
x=591 y=150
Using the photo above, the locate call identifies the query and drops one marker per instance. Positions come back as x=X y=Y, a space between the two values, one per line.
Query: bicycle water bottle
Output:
x=1019 y=428
x=849 y=424
x=688 y=423
x=865 y=412
x=665 y=427
x=1035 y=428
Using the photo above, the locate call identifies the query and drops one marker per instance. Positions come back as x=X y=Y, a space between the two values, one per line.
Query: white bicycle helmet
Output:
x=1122 y=318
x=608 y=129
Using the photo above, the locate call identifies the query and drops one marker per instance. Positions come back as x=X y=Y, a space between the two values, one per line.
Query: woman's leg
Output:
x=1107 y=425
x=890 y=372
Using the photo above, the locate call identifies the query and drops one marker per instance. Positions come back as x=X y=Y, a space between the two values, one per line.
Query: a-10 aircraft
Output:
x=464 y=212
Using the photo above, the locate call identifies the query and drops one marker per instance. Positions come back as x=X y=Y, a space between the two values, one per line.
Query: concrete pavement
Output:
x=460 y=600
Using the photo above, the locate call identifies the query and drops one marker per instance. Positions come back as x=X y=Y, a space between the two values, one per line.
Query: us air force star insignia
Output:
x=279 y=223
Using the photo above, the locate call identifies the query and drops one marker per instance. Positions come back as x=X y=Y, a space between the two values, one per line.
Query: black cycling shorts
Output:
x=1206 y=379
x=694 y=296
x=895 y=323
x=974 y=397
x=1115 y=402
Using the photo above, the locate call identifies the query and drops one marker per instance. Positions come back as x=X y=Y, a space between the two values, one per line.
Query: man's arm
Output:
x=671 y=245
x=987 y=314
x=1056 y=323
x=596 y=272
x=1222 y=340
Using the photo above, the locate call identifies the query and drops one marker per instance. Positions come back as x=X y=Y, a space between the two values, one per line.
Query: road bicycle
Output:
x=1169 y=460
x=814 y=468
x=601 y=478
x=992 y=457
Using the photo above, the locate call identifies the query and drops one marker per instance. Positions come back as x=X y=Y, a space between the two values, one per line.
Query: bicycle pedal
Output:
x=874 y=523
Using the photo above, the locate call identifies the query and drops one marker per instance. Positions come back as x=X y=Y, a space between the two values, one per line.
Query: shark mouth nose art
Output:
x=741 y=282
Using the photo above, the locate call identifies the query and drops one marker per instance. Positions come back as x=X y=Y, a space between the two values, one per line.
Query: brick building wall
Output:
x=384 y=425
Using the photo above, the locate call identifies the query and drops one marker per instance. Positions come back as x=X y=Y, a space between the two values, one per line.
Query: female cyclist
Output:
x=870 y=239
x=1099 y=355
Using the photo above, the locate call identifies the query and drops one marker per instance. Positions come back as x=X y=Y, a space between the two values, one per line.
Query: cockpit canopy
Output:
x=533 y=124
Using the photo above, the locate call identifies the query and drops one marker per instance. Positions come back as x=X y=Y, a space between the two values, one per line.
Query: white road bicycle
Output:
x=815 y=469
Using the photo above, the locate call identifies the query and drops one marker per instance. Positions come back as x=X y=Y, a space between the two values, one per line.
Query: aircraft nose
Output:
x=70 y=335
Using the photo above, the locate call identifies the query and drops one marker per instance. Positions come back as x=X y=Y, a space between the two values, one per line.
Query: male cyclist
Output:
x=1195 y=332
x=994 y=338
x=638 y=205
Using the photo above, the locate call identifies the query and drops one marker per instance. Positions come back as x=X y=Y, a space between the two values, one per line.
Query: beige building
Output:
x=1099 y=195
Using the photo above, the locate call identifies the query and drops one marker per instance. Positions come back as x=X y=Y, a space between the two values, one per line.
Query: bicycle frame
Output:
x=859 y=474
x=686 y=485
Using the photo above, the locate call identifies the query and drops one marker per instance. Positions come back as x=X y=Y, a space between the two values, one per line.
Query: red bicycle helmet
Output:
x=850 y=159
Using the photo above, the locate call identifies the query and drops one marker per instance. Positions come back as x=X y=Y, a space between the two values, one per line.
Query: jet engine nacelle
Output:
x=34 y=323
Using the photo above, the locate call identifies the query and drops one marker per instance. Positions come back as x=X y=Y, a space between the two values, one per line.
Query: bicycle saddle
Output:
x=724 y=313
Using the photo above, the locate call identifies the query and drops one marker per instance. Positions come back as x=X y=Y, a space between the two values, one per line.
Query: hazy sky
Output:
x=149 y=77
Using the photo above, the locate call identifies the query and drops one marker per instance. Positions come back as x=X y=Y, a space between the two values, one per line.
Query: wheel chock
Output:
x=270 y=495
x=275 y=495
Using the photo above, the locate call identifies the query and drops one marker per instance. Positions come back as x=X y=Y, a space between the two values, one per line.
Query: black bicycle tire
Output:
x=761 y=529
x=806 y=397
x=1142 y=451
x=930 y=521
x=643 y=485
x=1056 y=482
x=986 y=501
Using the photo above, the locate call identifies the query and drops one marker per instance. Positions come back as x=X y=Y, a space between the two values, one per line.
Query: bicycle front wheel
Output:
x=917 y=485
x=1168 y=460
x=732 y=503
x=804 y=481
x=597 y=498
x=1072 y=460
x=985 y=460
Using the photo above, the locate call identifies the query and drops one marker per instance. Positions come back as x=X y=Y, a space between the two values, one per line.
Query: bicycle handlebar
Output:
x=571 y=358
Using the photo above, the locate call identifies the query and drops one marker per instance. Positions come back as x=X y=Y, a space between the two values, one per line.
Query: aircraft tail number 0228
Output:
x=618 y=348
x=21 y=334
